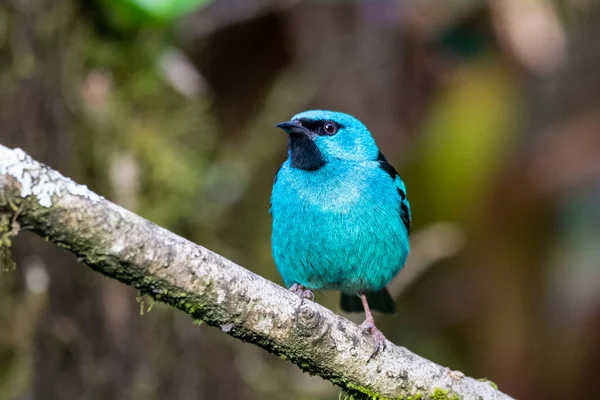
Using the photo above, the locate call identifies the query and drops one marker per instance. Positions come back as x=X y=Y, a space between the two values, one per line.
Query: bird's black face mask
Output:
x=304 y=153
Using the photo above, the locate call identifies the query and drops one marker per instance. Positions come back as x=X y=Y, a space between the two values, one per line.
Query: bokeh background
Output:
x=489 y=110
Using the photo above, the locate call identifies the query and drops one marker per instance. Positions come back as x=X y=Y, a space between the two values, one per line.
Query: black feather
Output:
x=316 y=125
x=384 y=165
x=378 y=301
x=391 y=171
x=405 y=215
x=304 y=153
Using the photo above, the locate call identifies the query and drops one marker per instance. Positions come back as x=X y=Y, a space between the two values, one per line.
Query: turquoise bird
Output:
x=341 y=218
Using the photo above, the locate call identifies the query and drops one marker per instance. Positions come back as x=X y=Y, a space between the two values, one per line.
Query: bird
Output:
x=340 y=215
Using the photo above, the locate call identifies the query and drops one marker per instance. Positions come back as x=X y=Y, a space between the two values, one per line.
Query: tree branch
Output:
x=124 y=246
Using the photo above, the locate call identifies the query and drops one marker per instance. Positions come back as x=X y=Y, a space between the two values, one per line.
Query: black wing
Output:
x=405 y=213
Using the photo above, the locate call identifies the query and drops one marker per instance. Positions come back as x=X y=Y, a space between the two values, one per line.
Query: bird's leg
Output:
x=302 y=292
x=369 y=326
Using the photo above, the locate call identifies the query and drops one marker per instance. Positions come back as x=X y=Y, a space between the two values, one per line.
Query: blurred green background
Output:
x=489 y=110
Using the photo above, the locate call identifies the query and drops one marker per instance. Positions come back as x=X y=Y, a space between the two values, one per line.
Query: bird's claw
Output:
x=378 y=338
x=303 y=293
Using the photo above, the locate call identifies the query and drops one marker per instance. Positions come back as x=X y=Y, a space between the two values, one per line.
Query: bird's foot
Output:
x=380 y=342
x=302 y=292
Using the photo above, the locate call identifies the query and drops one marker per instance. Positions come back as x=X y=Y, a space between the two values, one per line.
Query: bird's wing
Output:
x=405 y=213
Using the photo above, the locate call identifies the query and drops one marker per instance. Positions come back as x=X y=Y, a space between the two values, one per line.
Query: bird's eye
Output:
x=330 y=128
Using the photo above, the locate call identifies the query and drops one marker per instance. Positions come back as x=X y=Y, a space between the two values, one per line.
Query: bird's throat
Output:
x=304 y=153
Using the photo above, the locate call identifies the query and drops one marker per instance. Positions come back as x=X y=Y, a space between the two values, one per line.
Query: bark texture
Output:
x=208 y=287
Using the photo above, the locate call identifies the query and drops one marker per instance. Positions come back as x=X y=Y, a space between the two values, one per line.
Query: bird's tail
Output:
x=378 y=301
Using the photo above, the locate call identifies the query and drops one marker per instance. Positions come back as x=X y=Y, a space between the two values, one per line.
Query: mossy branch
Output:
x=126 y=247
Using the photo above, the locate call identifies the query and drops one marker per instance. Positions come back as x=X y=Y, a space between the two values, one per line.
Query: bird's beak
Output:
x=292 y=127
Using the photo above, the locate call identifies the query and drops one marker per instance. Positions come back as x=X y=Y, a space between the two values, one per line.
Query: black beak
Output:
x=292 y=127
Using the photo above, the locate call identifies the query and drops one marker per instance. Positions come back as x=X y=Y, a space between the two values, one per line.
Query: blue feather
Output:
x=341 y=218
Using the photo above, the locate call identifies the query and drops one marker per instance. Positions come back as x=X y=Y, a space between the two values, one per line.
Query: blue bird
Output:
x=341 y=219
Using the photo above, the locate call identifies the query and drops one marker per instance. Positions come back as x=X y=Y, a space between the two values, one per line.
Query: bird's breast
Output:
x=328 y=189
x=337 y=228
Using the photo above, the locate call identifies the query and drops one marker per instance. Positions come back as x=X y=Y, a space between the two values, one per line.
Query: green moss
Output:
x=417 y=396
x=151 y=305
x=439 y=394
x=492 y=384
x=360 y=392
x=443 y=394
x=8 y=229
x=140 y=300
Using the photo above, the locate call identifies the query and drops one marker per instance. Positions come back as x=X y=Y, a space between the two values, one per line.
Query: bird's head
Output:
x=318 y=137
